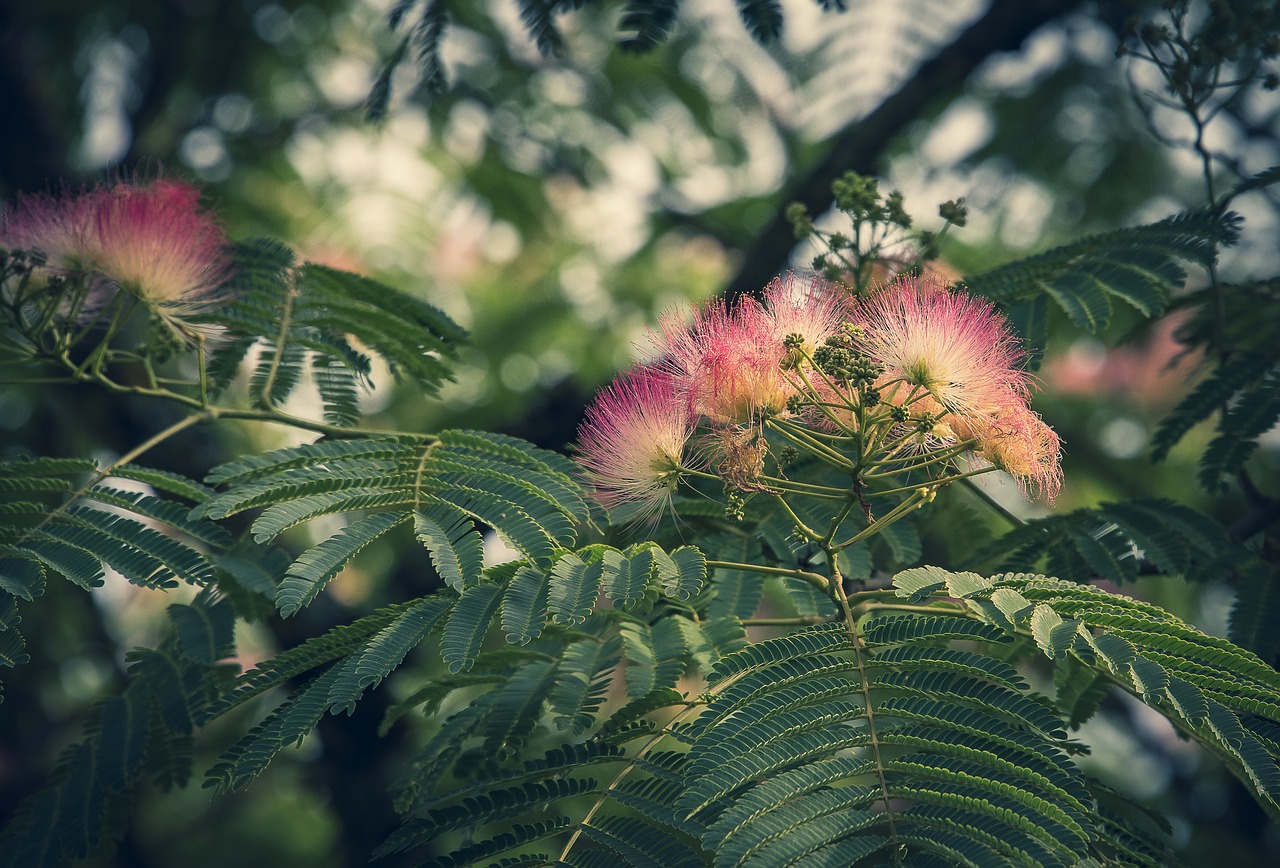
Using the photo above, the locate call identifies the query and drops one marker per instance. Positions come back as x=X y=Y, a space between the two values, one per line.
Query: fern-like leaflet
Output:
x=1137 y=265
x=308 y=317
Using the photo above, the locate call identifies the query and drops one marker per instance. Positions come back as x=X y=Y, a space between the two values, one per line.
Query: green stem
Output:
x=804 y=529
x=620 y=776
x=784 y=622
x=944 y=480
x=815 y=579
x=338 y=431
x=99 y=475
x=851 y=628
x=800 y=438
x=995 y=505
x=838 y=518
x=269 y=384
x=934 y=458
x=776 y=484
x=204 y=374
x=898 y=512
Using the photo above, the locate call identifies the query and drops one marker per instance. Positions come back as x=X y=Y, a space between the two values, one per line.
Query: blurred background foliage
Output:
x=555 y=205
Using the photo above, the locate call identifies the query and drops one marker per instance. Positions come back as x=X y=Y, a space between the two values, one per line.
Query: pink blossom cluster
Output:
x=151 y=239
x=952 y=368
x=722 y=370
x=960 y=355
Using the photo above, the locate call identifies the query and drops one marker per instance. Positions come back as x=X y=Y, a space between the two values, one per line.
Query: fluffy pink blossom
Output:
x=150 y=239
x=727 y=362
x=60 y=228
x=955 y=358
x=815 y=308
x=956 y=347
x=632 y=442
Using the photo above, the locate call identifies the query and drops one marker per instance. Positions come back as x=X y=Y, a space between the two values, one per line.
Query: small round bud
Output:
x=954 y=211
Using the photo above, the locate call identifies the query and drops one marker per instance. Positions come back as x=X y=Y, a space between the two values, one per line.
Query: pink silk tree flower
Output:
x=727 y=362
x=151 y=240
x=60 y=228
x=956 y=347
x=815 y=310
x=632 y=443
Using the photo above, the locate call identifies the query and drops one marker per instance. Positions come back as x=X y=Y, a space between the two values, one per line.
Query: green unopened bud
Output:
x=163 y=341
x=801 y=223
x=863 y=369
x=894 y=212
x=954 y=212
x=855 y=194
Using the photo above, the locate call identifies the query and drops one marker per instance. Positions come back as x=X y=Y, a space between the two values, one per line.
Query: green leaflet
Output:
x=311 y=654
x=313 y=569
x=455 y=546
x=308 y=314
x=1138 y=265
x=21 y=574
x=1209 y=687
x=206 y=633
x=145 y=728
x=1209 y=395
x=1252 y=415
x=656 y=655
x=288 y=724
x=582 y=679
x=384 y=652
x=468 y=624
x=324 y=454
x=573 y=589
x=647 y=23
x=524 y=606
x=1114 y=540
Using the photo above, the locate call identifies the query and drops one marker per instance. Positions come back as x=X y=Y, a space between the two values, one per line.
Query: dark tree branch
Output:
x=1003 y=28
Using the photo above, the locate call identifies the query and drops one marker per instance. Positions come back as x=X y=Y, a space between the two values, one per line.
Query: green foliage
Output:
x=1119 y=542
x=647 y=23
x=1224 y=696
x=144 y=732
x=307 y=317
x=762 y=18
x=1136 y=265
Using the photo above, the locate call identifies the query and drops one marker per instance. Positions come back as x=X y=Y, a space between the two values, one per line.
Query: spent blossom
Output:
x=1016 y=440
